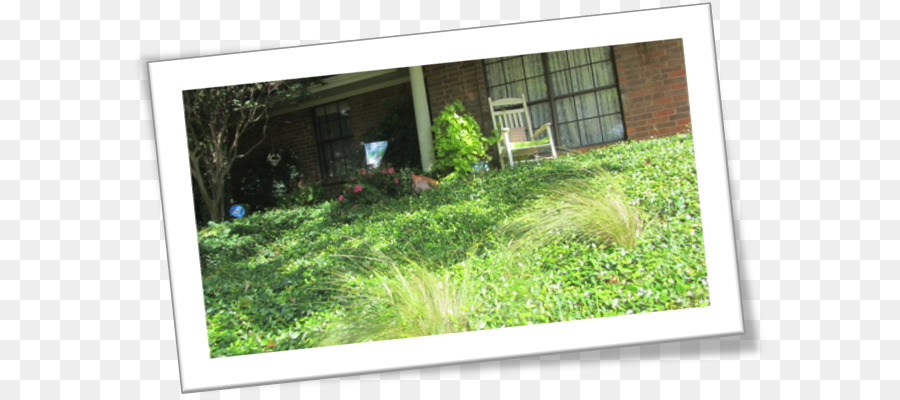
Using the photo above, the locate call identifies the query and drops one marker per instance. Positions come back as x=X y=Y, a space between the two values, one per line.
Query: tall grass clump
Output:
x=585 y=210
x=398 y=299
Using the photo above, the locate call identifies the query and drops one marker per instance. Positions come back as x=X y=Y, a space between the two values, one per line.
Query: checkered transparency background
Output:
x=811 y=99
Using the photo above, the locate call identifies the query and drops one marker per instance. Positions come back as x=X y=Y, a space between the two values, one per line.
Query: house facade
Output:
x=593 y=97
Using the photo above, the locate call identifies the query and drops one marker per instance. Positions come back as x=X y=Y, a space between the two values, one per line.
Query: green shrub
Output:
x=305 y=195
x=458 y=142
x=373 y=186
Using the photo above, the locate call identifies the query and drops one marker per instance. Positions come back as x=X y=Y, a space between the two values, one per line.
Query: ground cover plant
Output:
x=470 y=254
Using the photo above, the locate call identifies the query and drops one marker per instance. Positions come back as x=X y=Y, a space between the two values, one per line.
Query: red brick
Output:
x=662 y=113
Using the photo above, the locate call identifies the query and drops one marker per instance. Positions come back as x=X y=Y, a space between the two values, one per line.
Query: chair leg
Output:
x=552 y=142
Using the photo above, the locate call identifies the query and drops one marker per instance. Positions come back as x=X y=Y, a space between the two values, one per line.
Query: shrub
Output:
x=458 y=142
x=305 y=195
x=373 y=186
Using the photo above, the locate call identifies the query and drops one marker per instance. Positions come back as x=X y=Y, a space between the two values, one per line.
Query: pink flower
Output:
x=391 y=171
x=346 y=187
x=341 y=198
x=362 y=172
x=383 y=171
x=396 y=180
x=357 y=189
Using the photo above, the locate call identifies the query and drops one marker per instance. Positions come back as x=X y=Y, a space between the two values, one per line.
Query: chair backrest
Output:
x=512 y=113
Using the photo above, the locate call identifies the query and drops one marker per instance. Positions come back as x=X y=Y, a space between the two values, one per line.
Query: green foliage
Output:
x=272 y=281
x=458 y=142
x=305 y=195
x=373 y=186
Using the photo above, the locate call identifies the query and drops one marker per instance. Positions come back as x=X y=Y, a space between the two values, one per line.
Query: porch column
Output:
x=423 y=120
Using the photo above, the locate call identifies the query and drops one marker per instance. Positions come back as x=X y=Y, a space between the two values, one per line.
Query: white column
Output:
x=423 y=119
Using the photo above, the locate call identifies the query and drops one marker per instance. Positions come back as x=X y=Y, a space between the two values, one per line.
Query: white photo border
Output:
x=692 y=24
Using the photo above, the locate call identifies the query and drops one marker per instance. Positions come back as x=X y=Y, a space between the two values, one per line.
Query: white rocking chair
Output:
x=512 y=120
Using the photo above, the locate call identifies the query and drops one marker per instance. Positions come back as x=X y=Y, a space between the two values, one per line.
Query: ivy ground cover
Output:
x=462 y=256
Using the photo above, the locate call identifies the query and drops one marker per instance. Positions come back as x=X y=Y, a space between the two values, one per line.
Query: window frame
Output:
x=552 y=99
x=345 y=134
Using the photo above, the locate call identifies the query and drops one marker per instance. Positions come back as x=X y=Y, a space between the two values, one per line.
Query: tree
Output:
x=218 y=120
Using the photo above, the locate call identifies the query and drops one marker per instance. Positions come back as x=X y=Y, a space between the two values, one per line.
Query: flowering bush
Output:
x=372 y=186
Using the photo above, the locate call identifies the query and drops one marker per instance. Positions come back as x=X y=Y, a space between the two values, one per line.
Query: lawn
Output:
x=612 y=231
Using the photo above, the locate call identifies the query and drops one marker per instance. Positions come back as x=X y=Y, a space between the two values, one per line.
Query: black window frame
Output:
x=326 y=139
x=552 y=98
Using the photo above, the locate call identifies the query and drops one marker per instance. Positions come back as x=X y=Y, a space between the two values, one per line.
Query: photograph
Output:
x=446 y=198
x=422 y=200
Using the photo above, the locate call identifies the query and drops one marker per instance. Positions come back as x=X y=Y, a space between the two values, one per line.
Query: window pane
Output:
x=587 y=106
x=344 y=108
x=581 y=79
x=540 y=114
x=568 y=135
x=495 y=74
x=537 y=89
x=533 y=65
x=609 y=100
x=345 y=127
x=516 y=89
x=331 y=110
x=338 y=150
x=326 y=152
x=578 y=58
x=498 y=92
x=613 y=129
x=600 y=53
x=514 y=69
x=603 y=73
x=560 y=83
x=334 y=129
x=557 y=61
x=590 y=130
x=565 y=110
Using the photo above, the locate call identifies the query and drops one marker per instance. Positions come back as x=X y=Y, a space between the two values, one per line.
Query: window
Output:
x=577 y=90
x=334 y=139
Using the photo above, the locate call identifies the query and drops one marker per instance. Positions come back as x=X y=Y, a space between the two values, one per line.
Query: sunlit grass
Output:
x=585 y=210
x=401 y=299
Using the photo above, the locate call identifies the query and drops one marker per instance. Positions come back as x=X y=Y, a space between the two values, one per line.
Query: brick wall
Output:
x=459 y=80
x=654 y=88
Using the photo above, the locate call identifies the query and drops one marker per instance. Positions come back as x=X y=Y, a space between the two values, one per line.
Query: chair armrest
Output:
x=542 y=129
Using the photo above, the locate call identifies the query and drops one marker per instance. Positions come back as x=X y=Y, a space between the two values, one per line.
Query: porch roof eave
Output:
x=347 y=85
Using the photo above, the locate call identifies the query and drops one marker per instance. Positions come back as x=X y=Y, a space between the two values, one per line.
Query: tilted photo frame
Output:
x=362 y=66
